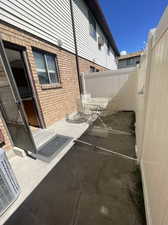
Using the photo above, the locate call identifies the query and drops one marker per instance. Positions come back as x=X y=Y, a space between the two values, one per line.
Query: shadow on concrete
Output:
x=89 y=187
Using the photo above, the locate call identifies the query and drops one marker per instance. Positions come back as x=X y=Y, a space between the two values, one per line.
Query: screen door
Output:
x=11 y=107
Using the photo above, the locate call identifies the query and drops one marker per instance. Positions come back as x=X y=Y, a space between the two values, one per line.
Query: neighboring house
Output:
x=129 y=60
x=48 y=43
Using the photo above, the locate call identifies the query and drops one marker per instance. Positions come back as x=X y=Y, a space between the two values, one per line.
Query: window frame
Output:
x=92 y=69
x=92 y=23
x=44 y=54
x=130 y=61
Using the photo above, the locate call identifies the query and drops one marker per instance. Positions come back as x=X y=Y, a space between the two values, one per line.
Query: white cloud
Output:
x=123 y=52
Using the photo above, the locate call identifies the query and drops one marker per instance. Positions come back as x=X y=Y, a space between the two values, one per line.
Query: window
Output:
x=47 y=67
x=130 y=61
x=92 y=23
x=92 y=69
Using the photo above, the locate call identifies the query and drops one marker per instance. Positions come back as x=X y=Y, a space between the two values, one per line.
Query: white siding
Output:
x=87 y=45
x=48 y=19
x=51 y=20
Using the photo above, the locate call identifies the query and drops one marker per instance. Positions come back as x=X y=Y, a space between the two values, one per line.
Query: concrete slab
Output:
x=61 y=127
x=87 y=187
x=30 y=173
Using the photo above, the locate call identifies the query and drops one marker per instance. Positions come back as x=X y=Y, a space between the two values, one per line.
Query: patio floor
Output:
x=89 y=186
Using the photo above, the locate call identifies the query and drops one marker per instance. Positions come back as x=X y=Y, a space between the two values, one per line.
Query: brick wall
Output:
x=85 y=65
x=7 y=143
x=54 y=102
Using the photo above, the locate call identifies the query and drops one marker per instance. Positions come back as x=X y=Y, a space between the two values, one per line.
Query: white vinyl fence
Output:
x=117 y=87
x=144 y=90
x=152 y=124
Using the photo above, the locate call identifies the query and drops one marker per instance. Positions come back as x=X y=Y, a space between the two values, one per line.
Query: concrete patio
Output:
x=88 y=186
x=31 y=172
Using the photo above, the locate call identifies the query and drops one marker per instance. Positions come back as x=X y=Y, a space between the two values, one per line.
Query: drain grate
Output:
x=51 y=148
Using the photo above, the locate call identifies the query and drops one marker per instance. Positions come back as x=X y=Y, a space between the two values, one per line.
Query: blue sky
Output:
x=130 y=20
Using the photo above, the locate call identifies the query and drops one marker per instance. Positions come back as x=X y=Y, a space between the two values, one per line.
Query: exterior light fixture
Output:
x=60 y=43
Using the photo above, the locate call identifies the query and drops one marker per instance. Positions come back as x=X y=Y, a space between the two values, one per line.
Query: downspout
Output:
x=76 y=47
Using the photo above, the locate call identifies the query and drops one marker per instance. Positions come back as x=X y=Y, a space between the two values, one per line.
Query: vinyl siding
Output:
x=87 y=45
x=51 y=21
x=47 y=19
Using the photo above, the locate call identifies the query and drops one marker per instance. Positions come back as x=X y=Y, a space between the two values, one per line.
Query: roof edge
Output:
x=95 y=8
x=130 y=55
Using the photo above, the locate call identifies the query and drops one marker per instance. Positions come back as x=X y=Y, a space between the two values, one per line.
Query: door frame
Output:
x=15 y=93
x=31 y=83
x=34 y=91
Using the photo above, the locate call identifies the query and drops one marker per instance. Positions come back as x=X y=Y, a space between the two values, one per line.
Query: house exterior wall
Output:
x=128 y=62
x=84 y=65
x=42 y=24
x=51 y=21
x=8 y=144
x=87 y=45
x=47 y=19
x=55 y=102
x=2 y=125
